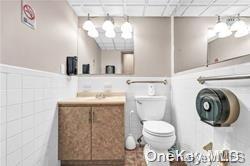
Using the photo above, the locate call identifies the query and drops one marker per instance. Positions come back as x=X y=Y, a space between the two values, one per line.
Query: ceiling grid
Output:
x=160 y=7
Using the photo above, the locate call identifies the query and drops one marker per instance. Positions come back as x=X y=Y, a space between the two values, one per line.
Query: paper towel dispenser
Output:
x=217 y=107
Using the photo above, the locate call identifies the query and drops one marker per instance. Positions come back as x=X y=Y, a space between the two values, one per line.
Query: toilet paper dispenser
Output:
x=217 y=107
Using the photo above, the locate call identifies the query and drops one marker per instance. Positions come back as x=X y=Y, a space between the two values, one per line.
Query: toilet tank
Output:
x=150 y=107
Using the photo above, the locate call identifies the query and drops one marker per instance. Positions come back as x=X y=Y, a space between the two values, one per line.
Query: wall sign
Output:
x=28 y=16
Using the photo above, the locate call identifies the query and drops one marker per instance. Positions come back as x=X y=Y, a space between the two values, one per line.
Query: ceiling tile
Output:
x=203 y=2
x=134 y=10
x=154 y=10
x=114 y=10
x=135 y=1
x=179 y=10
x=245 y=12
x=243 y=2
x=174 y=1
x=185 y=1
x=194 y=10
x=224 y=1
x=169 y=10
x=157 y=2
x=93 y=10
x=91 y=2
x=112 y=1
x=213 y=10
x=233 y=10
x=79 y=11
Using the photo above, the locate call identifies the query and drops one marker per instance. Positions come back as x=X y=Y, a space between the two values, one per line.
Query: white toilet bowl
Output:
x=159 y=135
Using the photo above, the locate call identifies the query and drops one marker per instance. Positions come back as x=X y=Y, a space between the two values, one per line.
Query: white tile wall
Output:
x=101 y=83
x=191 y=132
x=29 y=113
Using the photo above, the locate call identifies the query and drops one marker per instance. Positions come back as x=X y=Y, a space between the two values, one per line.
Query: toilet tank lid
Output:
x=150 y=97
x=158 y=127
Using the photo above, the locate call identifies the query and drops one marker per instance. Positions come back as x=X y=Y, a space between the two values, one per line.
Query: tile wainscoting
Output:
x=191 y=132
x=29 y=115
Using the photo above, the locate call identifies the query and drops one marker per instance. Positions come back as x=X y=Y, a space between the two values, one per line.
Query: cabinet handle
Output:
x=90 y=116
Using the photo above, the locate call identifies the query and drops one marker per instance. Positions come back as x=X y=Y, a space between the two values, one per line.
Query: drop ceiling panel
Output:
x=233 y=10
x=93 y=10
x=114 y=10
x=213 y=10
x=134 y=10
x=112 y=1
x=91 y=2
x=243 y=1
x=157 y=2
x=154 y=10
x=135 y=1
x=246 y=12
x=179 y=10
x=194 y=11
x=203 y=2
x=168 y=10
x=224 y=1
x=79 y=10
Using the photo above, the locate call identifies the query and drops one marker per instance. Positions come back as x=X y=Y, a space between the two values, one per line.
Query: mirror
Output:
x=103 y=55
x=228 y=48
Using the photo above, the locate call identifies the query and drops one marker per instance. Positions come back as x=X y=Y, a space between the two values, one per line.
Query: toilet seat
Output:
x=159 y=128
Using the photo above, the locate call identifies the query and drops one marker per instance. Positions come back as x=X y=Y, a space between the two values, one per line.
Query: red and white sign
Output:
x=28 y=15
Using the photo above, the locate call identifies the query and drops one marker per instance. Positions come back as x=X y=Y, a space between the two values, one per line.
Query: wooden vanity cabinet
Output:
x=107 y=133
x=75 y=133
x=93 y=133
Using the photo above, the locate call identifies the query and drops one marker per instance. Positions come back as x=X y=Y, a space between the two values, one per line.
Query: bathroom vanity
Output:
x=91 y=130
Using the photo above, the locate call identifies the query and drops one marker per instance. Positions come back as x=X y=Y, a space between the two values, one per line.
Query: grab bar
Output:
x=161 y=82
x=202 y=80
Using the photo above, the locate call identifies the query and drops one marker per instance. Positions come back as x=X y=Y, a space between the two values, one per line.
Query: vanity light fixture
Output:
x=238 y=24
x=126 y=29
x=225 y=29
x=108 y=24
x=222 y=29
x=126 y=26
x=240 y=28
x=88 y=25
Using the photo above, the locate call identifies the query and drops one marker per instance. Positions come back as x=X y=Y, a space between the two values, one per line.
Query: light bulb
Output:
x=238 y=25
x=241 y=32
x=107 y=25
x=225 y=33
x=126 y=35
x=110 y=33
x=126 y=27
x=220 y=27
x=88 y=25
x=93 y=33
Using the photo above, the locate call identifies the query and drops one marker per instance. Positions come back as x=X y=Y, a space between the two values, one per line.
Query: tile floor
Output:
x=136 y=158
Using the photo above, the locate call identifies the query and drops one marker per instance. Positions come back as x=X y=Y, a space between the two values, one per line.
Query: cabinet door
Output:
x=108 y=133
x=74 y=133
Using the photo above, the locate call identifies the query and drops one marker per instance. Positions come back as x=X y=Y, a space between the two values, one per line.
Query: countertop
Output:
x=81 y=101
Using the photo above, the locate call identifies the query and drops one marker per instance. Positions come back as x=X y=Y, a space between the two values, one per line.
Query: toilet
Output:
x=159 y=135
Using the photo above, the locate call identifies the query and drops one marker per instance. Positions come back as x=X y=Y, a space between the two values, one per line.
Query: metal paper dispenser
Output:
x=217 y=107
